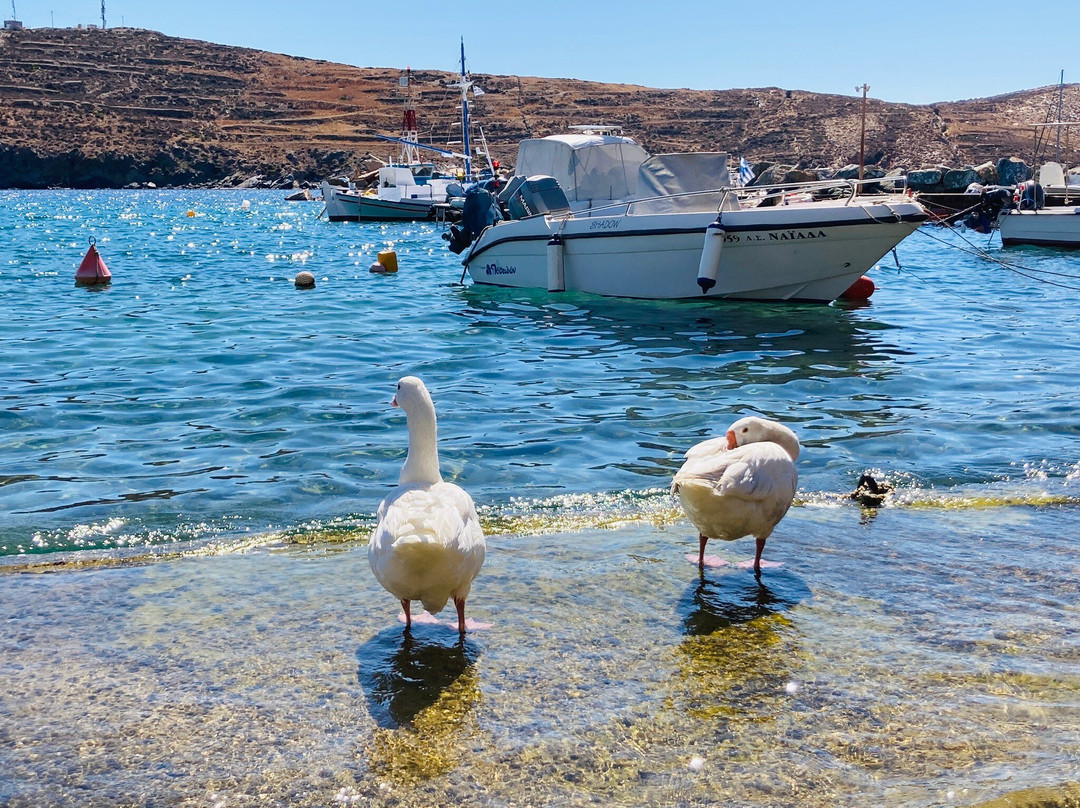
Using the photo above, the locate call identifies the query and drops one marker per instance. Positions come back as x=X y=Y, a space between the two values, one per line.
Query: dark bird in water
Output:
x=869 y=492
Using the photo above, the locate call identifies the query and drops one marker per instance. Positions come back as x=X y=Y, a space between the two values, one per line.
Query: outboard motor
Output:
x=992 y=200
x=480 y=210
x=1030 y=196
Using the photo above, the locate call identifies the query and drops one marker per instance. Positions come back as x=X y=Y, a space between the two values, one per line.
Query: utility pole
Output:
x=862 y=131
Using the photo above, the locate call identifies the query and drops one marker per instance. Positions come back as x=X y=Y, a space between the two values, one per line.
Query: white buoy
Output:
x=709 y=266
x=556 y=277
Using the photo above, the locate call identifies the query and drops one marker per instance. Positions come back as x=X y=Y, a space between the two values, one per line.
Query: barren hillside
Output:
x=106 y=108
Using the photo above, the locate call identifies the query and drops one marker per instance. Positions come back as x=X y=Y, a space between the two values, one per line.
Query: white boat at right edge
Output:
x=725 y=242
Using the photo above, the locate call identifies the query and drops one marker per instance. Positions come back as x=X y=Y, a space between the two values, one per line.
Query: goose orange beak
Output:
x=394 y=402
x=731 y=443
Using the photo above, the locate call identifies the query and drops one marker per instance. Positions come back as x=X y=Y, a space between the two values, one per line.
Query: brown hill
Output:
x=105 y=108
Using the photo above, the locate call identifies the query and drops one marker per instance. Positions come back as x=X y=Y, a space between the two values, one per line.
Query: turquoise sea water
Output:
x=201 y=396
x=195 y=453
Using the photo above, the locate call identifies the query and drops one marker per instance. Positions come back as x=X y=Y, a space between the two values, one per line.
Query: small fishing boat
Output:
x=1049 y=227
x=408 y=188
x=602 y=216
x=1033 y=219
x=405 y=192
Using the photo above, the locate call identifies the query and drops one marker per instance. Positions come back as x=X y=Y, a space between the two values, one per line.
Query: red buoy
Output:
x=860 y=290
x=92 y=270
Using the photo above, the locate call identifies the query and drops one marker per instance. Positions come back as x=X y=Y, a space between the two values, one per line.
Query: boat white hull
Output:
x=344 y=205
x=1056 y=227
x=811 y=252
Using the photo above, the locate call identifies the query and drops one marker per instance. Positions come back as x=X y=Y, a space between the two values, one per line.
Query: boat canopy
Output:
x=687 y=172
x=589 y=168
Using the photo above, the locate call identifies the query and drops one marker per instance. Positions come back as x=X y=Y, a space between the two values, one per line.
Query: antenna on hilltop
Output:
x=14 y=16
x=102 y=13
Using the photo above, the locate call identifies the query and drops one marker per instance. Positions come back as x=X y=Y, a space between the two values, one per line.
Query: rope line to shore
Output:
x=1012 y=266
x=981 y=252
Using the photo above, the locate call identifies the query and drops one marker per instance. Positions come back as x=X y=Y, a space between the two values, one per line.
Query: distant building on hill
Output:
x=12 y=25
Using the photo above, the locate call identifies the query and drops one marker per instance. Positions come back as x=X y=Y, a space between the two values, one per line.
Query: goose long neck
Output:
x=422 y=464
x=788 y=442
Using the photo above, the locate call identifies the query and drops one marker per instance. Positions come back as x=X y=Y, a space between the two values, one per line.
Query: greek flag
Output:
x=746 y=173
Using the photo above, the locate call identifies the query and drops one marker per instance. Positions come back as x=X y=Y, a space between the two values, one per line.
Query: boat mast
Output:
x=465 y=84
x=410 y=133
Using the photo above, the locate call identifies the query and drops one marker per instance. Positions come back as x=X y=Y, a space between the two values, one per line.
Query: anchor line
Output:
x=1012 y=266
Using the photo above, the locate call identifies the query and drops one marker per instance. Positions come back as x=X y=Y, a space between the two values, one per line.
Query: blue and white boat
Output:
x=593 y=212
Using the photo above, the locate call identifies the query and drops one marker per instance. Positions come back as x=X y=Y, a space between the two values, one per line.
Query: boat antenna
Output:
x=465 y=113
x=862 y=132
x=1061 y=90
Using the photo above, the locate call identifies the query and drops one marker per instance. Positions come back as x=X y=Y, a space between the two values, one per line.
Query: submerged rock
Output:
x=1066 y=795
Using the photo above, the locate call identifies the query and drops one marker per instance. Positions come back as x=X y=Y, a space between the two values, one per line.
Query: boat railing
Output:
x=736 y=198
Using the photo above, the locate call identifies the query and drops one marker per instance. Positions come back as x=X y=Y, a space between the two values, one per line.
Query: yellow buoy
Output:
x=388 y=258
x=191 y=214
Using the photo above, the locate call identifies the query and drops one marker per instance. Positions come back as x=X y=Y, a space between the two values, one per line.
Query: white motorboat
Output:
x=680 y=230
x=1046 y=212
x=1034 y=220
x=1050 y=227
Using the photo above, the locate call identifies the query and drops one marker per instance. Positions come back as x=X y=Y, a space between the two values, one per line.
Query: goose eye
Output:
x=745 y=429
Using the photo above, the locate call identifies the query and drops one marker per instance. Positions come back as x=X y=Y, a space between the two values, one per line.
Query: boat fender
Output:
x=860 y=290
x=709 y=266
x=92 y=270
x=556 y=276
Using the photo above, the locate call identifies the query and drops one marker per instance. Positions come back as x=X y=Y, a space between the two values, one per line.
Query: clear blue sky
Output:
x=906 y=51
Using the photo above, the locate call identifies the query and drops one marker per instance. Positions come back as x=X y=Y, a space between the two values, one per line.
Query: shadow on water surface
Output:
x=733 y=598
x=723 y=329
x=403 y=673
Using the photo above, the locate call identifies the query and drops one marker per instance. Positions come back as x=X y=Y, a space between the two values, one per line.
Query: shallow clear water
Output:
x=198 y=450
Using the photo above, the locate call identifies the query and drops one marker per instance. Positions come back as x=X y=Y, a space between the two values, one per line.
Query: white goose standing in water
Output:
x=428 y=545
x=739 y=485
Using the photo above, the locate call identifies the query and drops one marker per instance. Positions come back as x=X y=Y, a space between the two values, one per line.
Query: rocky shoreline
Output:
x=941 y=179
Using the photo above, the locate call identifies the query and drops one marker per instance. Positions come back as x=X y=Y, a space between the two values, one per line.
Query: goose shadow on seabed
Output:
x=404 y=673
x=732 y=598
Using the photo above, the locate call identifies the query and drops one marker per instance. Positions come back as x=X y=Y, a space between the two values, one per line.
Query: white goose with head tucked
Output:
x=428 y=545
x=739 y=485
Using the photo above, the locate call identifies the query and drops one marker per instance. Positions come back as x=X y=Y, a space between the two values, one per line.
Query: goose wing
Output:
x=758 y=471
x=428 y=544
